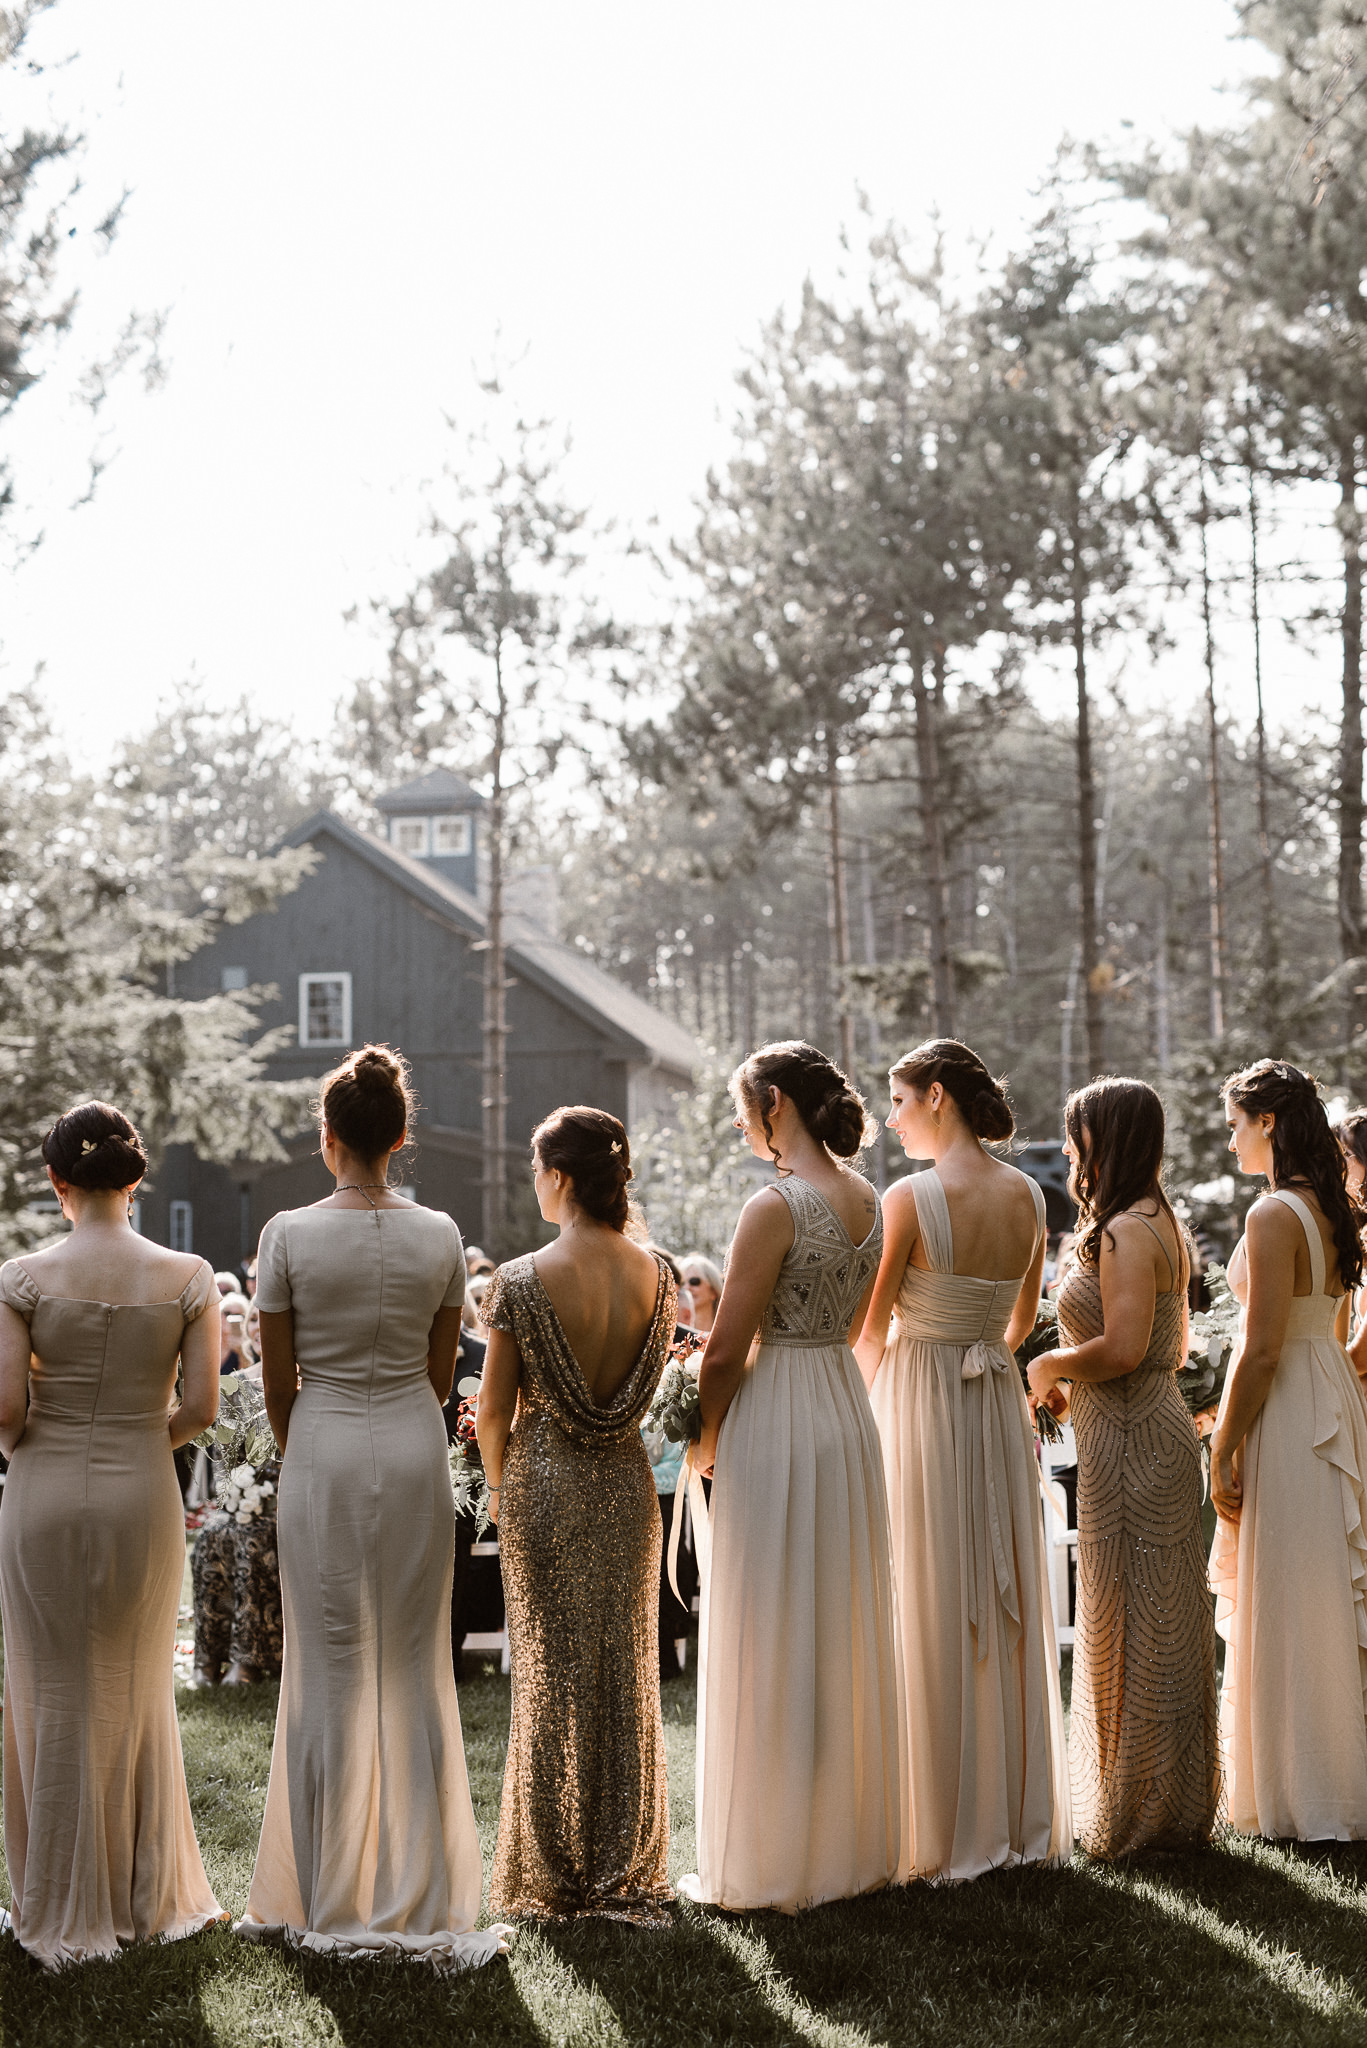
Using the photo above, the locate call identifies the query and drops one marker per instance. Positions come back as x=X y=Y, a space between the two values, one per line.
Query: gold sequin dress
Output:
x=584 y=1825
x=1144 y=1743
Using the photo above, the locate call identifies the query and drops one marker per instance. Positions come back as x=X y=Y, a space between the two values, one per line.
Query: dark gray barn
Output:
x=379 y=943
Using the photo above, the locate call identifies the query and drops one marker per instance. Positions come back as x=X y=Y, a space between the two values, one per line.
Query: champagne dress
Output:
x=368 y=1843
x=801 y=1758
x=988 y=1779
x=1290 y=1582
x=98 y=1837
x=584 y=1826
x=1144 y=1742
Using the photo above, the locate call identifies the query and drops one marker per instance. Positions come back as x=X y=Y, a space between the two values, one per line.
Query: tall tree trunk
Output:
x=494 y=1067
x=1215 y=882
x=933 y=838
x=1267 y=872
x=1161 y=1000
x=1350 y=741
x=838 y=914
x=1089 y=952
x=1065 y=1047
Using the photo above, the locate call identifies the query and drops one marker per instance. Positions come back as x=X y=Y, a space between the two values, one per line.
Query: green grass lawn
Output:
x=1243 y=1944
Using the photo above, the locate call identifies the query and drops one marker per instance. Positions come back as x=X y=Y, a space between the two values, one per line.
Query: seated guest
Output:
x=469 y=1365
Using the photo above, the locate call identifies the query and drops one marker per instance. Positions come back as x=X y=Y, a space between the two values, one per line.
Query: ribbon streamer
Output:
x=691 y=1481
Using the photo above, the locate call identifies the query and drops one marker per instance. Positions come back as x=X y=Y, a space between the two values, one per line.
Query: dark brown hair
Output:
x=591 y=1147
x=980 y=1100
x=95 y=1146
x=367 y=1102
x=1351 y=1132
x=831 y=1111
x=1304 y=1148
x=1117 y=1128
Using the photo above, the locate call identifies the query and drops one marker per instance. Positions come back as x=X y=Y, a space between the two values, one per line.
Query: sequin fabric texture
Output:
x=584 y=1824
x=1144 y=1744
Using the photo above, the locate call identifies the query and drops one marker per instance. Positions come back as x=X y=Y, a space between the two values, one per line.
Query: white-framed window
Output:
x=232 y=977
x=325 y=1009
x=451 y=835
x=410 y=835
x=182 y=1227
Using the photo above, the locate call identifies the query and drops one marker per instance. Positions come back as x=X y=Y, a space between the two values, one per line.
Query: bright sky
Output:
x=343 y=208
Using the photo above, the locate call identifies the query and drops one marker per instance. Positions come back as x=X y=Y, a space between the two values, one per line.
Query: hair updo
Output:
x=591 y=1148
x=1304 y=1148
x=830 y=1109
x=367 y=1103
x=979 y=1098
x=95 y=1146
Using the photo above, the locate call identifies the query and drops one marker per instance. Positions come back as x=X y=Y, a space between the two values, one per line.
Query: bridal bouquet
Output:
x=242 y=1434
x=1211 y=1338
x=675 y=1412
x=1043 y=1337
x=468 y=1483
x=246 y=1493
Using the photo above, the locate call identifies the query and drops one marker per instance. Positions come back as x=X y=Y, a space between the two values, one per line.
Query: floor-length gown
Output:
x=1290 y=1583
x=1144 y=1743
x=801 y=1718
x=584 y=1824
x=368 y=1842
x=98 y=1836
x=988 y=1779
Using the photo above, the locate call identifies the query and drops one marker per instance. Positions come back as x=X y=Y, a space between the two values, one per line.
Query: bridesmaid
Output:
x=963 y=1255
x=98 y=1836
x=368 y=1844
x=1144 y=1741
x=1288 y=1468
x=801 y=1721
x=577 y=1342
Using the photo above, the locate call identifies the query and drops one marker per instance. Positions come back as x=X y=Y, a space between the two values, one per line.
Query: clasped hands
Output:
x=1226 y=1478
x=1047 y=1390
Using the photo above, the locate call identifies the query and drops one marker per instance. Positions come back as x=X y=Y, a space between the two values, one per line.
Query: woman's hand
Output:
x=703 y=1455
x=1042 y=1374
x=494 y=1497
x=1226 y=1481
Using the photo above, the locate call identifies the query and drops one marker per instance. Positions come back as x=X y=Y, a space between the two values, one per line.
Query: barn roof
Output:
x=641 y=1031
x=438 y=790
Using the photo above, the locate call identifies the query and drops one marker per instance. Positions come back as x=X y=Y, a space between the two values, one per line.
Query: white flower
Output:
x=242 y=1476
x=1215 y=1351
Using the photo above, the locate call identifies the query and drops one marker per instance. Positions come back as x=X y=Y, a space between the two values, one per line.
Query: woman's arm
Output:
x=200 y=1348
x=1271 y=1237
x=442 y=1339
x=15 y=1350
x=1129 y=1290
x=279 y=1372
x=901 y=1229
x=1027 y=1301
x=497 y=1407
x=763 y=1237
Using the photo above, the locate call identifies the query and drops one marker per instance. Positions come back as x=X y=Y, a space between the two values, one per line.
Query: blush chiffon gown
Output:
x=99 y=1841
x=988 y=1780
x=801 y=1744
x=1290 y=1584
x=368 y=1844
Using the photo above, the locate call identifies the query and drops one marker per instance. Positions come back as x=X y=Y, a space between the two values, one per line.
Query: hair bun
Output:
x=367 y=1102
x=95 y=1146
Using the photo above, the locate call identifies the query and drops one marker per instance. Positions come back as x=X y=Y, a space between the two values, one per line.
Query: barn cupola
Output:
x=435 y=819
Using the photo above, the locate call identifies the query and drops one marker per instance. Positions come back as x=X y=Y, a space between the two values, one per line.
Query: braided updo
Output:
x=1304 y=1148
x=830 y=1109
x=367 y=1103
x=591 y=1148
x=979 y=1098
x=95 y=1146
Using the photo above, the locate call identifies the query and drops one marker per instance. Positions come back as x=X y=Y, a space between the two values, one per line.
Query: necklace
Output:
x=359 y=1187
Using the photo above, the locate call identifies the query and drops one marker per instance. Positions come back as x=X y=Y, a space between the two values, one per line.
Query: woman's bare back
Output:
x=112 y=1264
x=603 y=1289
x=992 y=1219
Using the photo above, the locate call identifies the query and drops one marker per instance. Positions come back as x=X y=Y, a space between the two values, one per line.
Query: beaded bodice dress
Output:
x=824 y=1272
x=1144 y=1745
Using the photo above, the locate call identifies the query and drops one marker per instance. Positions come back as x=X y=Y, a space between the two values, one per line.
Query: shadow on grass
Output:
x=153 y=1993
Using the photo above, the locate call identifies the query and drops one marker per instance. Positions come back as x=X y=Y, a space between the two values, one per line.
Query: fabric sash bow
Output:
x=987 y=1531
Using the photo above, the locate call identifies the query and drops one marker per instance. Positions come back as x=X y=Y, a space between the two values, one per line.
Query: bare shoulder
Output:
x=1270 y=1222
x=899 y=1201
x=766 y=1216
